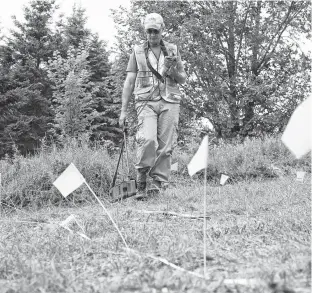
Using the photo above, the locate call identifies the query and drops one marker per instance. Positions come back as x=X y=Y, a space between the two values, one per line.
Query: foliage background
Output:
x=59 y=103
x=246 y=72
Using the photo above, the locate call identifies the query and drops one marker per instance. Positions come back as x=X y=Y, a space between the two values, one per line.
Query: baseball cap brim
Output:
x=153 y=25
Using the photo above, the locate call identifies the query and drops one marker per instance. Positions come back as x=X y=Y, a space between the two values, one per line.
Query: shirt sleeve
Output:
x=132 y=64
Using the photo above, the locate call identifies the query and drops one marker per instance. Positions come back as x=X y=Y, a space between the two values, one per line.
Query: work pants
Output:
x=156 y=137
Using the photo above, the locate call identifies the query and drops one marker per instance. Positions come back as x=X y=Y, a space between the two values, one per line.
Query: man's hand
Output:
x=122 y=119
x=170 y=61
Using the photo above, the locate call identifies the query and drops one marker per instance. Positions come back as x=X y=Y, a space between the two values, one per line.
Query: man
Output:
x=153 y=73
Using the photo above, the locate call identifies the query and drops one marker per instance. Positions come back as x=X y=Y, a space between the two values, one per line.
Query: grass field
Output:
x=258 y=240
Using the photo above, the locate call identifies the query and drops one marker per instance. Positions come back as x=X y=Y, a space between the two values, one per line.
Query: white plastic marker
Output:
x=274 y=168
x=174 y=167
x=70 y=219
x=300 y=176
x=297 y=135
x=200 y=162
x=70 y=180
x=223 y=179
x=66 y=223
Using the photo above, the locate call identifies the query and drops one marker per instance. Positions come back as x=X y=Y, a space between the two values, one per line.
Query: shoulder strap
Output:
x=163 y=48
x=156 y=73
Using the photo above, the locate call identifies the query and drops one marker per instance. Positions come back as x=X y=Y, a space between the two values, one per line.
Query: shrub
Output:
x=254 y=158
x=28 y=180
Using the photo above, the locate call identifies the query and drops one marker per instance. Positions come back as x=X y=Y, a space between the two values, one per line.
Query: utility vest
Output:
x=146 y=81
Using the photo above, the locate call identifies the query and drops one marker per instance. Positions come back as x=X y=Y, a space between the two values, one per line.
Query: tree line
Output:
x=246 y=72
x=55 y=81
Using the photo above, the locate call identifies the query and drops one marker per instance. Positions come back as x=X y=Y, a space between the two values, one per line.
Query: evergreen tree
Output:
x=98 y=58
x=72 y=92
x=105 y=126
x=73 y=29
x=25 y=92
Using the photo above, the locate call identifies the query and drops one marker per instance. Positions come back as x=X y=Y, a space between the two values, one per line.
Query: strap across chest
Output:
x=151 y=68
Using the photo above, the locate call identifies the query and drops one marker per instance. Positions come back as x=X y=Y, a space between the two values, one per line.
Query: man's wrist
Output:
x=164 y=70
x=170 y=71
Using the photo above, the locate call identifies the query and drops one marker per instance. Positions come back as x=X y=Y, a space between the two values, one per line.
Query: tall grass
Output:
x=28 y=180
x=254 y=158
x=258 y=241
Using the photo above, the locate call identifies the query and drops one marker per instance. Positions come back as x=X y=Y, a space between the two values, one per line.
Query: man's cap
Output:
x=153 y=20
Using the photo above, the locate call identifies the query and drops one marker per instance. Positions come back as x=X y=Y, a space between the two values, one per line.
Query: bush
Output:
x=29 y=180
x=254 y=158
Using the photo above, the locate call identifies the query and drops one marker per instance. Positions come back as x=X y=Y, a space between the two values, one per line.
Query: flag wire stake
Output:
x=123 y=239
x=0 y=194
x=205 y=223
x=166 y=262
x=246 y=206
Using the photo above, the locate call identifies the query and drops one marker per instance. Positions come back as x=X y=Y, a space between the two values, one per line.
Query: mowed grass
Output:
x=258 y=240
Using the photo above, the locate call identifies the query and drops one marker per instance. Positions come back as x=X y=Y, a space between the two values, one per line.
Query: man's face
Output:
x=153 y=36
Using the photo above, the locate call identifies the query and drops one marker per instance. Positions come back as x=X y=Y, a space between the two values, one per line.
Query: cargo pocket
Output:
x=144 y=79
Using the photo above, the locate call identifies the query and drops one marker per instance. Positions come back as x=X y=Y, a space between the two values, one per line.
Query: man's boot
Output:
x=141 y=185
x=155 y=187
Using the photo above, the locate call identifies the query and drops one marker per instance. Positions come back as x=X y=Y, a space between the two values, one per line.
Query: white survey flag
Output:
x=200 y=159
x=174 y=167
x=69 y=180
x=223 y=179
x=297 y=135
x=300 y=176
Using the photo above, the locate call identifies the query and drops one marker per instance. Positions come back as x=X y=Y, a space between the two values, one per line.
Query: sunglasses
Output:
x=152 y=31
